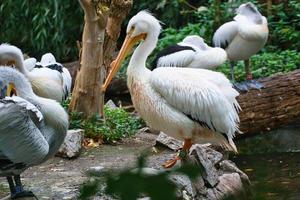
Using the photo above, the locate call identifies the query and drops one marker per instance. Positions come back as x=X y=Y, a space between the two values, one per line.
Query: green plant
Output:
x=118 y=124
x=284 y=25
x=265 y=64
x=132 y=183
x=43 y=26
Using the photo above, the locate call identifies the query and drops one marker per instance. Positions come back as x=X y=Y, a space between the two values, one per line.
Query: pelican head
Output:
x=140 y=27
x=250 y=11
x=47 y=58
x=196 y=41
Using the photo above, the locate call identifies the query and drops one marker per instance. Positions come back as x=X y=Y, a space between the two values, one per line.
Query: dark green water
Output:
x=272 y=162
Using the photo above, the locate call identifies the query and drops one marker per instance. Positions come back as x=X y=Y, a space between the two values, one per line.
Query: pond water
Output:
x=272 y=162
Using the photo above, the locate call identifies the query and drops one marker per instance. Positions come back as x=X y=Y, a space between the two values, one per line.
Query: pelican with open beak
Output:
x=193 y=105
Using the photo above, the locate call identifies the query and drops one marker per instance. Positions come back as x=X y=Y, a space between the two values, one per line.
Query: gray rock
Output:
x=221 y=178
x=111 y=104
x=207 y=158
x=165 y=140
x=72 y=145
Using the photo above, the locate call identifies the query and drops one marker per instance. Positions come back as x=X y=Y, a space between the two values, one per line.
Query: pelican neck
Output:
x=138 y=60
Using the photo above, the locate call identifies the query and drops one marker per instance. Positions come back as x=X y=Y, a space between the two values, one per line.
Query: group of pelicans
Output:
x=188 y=103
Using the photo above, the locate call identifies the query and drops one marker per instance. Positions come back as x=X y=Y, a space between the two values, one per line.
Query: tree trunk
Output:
x=269 y=8
x=275 y=105
x=217 y=20
x=87 y=97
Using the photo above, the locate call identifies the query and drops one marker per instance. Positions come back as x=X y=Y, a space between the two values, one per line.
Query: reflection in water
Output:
x=272 y=162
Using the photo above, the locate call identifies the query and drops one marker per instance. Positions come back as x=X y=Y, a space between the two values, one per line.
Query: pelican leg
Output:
x=250 y=82
x=242 y=87
x=3 y=92
x=11 y=184
x=232 y=71
x=182 y=154
x=17 y=190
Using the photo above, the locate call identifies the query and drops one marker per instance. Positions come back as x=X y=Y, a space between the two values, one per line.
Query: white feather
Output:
x=202 y=56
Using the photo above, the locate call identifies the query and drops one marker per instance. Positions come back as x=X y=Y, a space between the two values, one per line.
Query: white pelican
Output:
x=48 y=79
x=32 y=129
x=194 y=105
x=192 y=52
x=242 y=38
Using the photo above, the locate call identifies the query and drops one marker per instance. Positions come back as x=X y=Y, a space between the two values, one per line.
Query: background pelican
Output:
x=192 y=52
x=242 y=38
x=32 y=129
x=48 y=61
x=194 y=105
x=48 y=79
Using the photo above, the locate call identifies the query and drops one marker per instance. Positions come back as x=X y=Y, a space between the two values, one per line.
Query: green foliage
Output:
x=265 y=64
x=38 y=27
x=130 y=184
x=284 y=25
x=118 y=124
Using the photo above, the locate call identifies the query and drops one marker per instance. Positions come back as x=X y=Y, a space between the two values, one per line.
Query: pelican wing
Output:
x=174 y=56
x=199 y=93
x=21 y=141
x=225 y=34
x=67 y=82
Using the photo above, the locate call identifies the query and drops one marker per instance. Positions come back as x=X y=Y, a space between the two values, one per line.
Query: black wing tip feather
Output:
x=205 y=125
x=168 y=51
x=6 y=164
x=54 y=66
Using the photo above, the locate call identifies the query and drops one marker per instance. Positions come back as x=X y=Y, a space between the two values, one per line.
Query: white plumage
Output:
x=49 y=79
x=192 y=52
x=194 y=105
x=32 y=129
x=244 y=36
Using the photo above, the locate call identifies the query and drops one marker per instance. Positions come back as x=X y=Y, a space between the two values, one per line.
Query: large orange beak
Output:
x=126 y=48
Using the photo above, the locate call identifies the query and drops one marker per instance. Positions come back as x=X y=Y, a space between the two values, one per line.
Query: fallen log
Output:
x=277 y=104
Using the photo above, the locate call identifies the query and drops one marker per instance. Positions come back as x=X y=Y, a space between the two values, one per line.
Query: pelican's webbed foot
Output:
x=183 y=154
x=180 y=156
x=254 y=84
x=241 y=87
x=22 y=194
x=16 y=188
x=245 y=86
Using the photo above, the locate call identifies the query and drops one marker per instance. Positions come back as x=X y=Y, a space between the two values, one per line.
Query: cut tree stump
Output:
x=277 y=104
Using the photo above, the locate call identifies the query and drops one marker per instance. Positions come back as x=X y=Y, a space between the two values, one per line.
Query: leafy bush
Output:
x=266 y=64
x=38 y=27
x=118 y=124
x=284 y=25
x=132 y=183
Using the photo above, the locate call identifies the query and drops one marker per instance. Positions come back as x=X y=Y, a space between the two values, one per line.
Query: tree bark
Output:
x=97 y=51
x=217 y=20
x=278 y=103
x=269 y=8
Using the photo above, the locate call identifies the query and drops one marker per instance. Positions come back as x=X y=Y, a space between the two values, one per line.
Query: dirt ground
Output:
x=61 y=178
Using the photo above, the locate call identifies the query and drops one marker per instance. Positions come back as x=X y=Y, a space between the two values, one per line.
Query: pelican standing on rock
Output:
x=192 y=52
x=194 y=105
x=48 y=78
x=32 y=129
x=242 y=38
